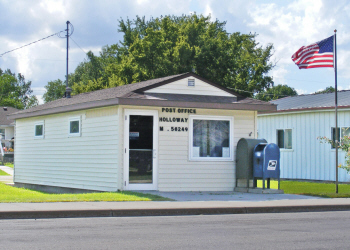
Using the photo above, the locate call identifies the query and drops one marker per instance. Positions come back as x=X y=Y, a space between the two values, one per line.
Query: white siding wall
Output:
x=309 y=159
x=9 y=133
x=181 y=87
x=89 y=161
x=177 y=173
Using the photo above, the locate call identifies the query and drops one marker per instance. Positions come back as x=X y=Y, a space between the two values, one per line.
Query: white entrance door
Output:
x=141 y=149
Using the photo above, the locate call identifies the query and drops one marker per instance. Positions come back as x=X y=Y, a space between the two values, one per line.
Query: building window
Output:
x=2 y=133
x=342 y=131
x=74 y=126
x=211 y=138
x=191 y=82
x=284 y=138
x=39 y=130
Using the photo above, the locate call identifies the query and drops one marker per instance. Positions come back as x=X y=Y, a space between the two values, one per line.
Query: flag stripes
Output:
x=316 y=55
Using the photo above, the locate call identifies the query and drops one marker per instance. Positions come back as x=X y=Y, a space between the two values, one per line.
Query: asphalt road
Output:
x=322 y=230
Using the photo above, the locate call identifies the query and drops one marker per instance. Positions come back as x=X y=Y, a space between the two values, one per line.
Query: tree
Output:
x=276 y=92
x=172 y=45
x=15 y=91
x=344 y=145
x=32 y=102
x=54 y=90
x=329 y=89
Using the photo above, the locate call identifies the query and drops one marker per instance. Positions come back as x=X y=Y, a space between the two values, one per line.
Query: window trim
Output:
x=340 y=134
x=42 y=123
x=190 y=136
x=284 y=140
x=4 y=133
x=73 y=119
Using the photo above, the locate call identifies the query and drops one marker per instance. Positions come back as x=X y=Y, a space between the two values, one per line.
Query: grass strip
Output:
x=3 y=173
x=326 y=190
x=13 y=194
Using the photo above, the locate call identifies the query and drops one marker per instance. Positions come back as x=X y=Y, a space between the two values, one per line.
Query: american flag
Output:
x=316 y=55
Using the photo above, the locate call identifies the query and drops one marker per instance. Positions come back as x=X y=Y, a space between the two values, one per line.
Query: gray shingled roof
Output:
x=132 y=94
x=3 y=116
x=313 y=101
x=103 y=94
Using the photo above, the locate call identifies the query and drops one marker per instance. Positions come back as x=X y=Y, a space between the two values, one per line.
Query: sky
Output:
x=287 y=25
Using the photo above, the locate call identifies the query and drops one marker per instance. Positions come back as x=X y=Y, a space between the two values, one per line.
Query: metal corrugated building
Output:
x=296 y=124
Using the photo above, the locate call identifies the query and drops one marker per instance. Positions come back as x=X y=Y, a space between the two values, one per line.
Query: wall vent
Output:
x=190 y=83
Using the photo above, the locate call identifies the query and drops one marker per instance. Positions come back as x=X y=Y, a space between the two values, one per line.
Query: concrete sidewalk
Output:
x=185 y=203
x=165 y=208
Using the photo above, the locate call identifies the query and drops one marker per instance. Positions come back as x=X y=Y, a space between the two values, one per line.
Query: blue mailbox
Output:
x=266 y=163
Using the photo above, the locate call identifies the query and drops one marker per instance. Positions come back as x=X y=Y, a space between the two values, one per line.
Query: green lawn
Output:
x=312 y=188
x=3 y=173
x=13 y=194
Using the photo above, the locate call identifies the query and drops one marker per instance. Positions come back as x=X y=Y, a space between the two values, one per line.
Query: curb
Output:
x=166 y=212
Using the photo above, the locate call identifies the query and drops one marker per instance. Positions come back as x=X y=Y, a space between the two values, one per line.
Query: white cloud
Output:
x=40 y=99
x=53 y=7
x=343 y=63
x=286 y=24
x=279 y=73
x=302 y=91
x=209 y=11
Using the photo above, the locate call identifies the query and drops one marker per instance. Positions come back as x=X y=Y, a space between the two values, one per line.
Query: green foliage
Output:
x=329 y=89
x=91 y=85
x=9 y=164
x=54 y=90
x=276 y=92
x=344 y=145
x=32 y=101
x=15 y=91
x=172 y=45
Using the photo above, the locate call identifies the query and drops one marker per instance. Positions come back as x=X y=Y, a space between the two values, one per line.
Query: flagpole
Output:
x=336 y=113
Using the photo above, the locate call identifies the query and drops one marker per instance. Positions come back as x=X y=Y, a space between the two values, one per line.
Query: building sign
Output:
x=177 y=123
x=172 y=119
x=179 y=110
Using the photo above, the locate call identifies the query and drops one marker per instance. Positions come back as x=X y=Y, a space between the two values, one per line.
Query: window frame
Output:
x=230 y=119
x=41 y=123
x=4 y=132
x=284 y=139
x=340 y=134
x=74 y=119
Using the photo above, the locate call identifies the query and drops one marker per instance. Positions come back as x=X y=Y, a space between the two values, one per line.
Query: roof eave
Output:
x=302 y=110
x=62 y=109
x=203 y=105
x=146 y=102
